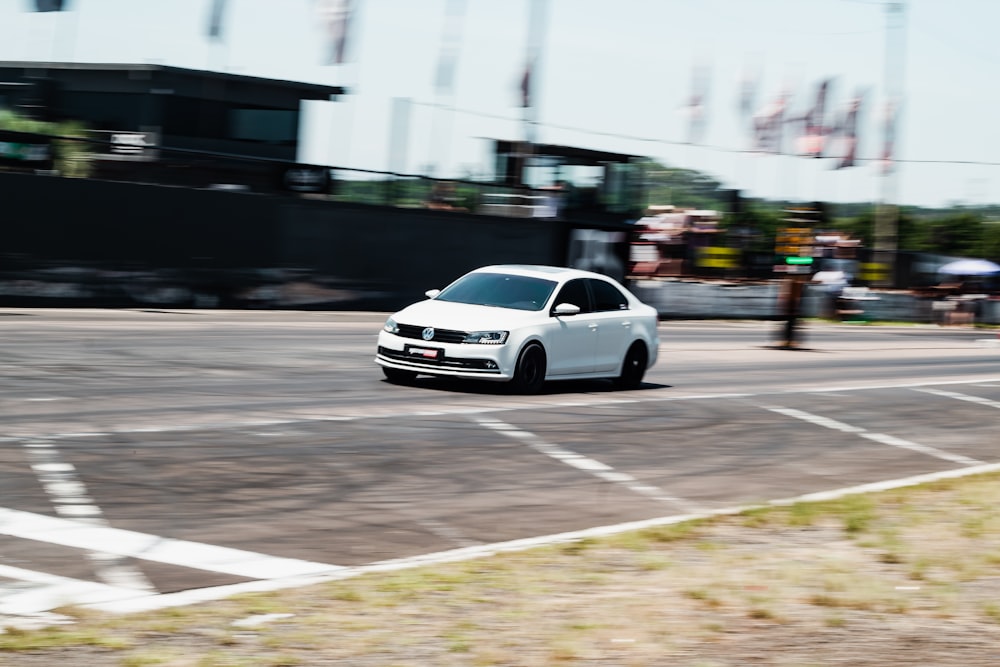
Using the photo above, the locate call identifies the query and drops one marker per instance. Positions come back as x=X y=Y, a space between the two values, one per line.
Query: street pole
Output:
x=887 y=212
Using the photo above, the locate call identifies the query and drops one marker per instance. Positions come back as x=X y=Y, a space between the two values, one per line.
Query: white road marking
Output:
x=48 y=591
x=451 y=410
x=961 y=397
x=183 y=598
x=68 y=496
x=143 y=546
x=819 y=421
x=882 y=438
x=904 y=385
x=11 y=520
x=584 y=463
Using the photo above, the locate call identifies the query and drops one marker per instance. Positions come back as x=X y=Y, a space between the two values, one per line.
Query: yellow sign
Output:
x=873 y=271
x=794 y=241
x=715 y=257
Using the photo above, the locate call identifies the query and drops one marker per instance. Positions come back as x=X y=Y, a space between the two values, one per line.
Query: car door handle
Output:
x=593 y=325
x=626 y=323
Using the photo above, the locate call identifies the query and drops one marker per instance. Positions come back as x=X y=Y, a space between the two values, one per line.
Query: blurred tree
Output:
x=955 y=234
x=684 y=188
x=763 y=222
x=910 y=230
x=72 y=158
x=861 y=226
x=991 y=240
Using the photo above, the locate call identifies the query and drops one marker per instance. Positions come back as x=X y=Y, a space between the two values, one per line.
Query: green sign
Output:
x=799 y=260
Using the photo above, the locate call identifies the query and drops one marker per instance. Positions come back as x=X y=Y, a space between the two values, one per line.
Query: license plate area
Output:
x=424 y=352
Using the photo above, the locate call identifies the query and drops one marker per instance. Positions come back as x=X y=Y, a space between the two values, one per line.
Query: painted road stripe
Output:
x=183 y=598
x=68 y=496
x=143 y=546
x=596 y=401
x=49 y=591
x=451 y=410
x=961 y=397
x=584 y=463
x=882 y=438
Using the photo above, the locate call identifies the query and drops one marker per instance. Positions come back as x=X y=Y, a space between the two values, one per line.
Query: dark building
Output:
x=192 y=117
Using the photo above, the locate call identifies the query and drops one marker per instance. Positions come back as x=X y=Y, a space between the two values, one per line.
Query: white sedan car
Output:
x=523 y=325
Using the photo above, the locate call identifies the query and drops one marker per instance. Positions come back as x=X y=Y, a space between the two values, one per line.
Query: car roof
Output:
x=558 y=273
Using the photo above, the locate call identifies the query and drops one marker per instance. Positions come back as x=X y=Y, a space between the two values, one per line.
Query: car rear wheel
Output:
x=529 y=376
x=397 y=376
x=633 y=368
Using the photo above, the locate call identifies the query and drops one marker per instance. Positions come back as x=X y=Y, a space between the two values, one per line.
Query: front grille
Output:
x=440 y=335
x=472 y=365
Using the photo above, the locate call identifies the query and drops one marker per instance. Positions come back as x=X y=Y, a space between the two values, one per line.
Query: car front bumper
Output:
x=465 y=360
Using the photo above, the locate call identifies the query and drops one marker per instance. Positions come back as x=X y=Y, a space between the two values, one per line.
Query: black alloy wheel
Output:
x=529 y=376
x=633 y=368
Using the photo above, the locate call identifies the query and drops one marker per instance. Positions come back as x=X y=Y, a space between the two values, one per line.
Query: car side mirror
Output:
x=431 y=293
x=566 y=309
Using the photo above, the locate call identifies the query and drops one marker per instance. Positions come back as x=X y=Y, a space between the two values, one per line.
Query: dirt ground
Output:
x=905 y=578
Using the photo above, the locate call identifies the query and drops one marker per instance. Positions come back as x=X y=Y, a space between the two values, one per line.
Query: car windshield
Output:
x=502 y=290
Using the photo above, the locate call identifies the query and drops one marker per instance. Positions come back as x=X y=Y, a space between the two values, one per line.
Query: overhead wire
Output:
x=672 y=142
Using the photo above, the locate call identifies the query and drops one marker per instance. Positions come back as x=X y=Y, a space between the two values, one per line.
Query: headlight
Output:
x=487 y=337
x=390 y=326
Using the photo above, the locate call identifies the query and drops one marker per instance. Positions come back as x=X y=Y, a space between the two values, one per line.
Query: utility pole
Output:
x=887 y=212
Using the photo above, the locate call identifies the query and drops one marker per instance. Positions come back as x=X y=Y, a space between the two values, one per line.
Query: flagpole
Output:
x=444 y=86
x=216 y=36
x=535 y=42
x=338 y=18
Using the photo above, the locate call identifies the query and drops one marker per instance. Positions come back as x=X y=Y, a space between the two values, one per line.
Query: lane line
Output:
x=194 y=596
x=584 y=463
x=49 y=591
x=904 y=385
x=69 y=497
x=596 y=401
x=143 y=546
x=447 y=410
x=335 y=572
x=961 y=397
x=882 y=438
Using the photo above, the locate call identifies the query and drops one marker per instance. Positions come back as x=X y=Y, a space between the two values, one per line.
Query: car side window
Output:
x=607 y=296
x=575 y=292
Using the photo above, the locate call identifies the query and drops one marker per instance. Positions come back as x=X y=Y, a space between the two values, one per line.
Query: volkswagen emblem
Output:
x=428 y=333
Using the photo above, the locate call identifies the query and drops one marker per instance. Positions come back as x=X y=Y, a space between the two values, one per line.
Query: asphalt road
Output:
x=146 y=453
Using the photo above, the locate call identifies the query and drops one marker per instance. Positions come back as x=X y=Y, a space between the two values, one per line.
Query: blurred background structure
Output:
x=658 y=140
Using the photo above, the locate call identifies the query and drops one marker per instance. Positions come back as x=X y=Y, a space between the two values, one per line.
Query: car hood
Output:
x=464 y=316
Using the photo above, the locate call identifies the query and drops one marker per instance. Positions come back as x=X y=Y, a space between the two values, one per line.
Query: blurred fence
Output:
x=136 y=157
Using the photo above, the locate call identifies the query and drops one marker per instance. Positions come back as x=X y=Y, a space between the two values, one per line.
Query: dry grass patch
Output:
x=838 y=579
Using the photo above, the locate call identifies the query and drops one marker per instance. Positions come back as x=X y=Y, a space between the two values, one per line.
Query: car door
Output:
x=573 y=340
x=614 y=324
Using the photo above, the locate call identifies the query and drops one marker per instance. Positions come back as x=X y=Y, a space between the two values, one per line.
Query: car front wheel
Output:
x=529 y=376
x=633 y=368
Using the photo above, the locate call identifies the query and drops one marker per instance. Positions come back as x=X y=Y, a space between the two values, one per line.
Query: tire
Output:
x=397 y=376
x=633 y=367
x=529 y=376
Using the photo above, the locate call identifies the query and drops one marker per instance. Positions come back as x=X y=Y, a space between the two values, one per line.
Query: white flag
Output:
x=336 y=16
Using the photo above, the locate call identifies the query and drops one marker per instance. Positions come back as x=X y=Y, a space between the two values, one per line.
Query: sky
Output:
x=613 y=76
